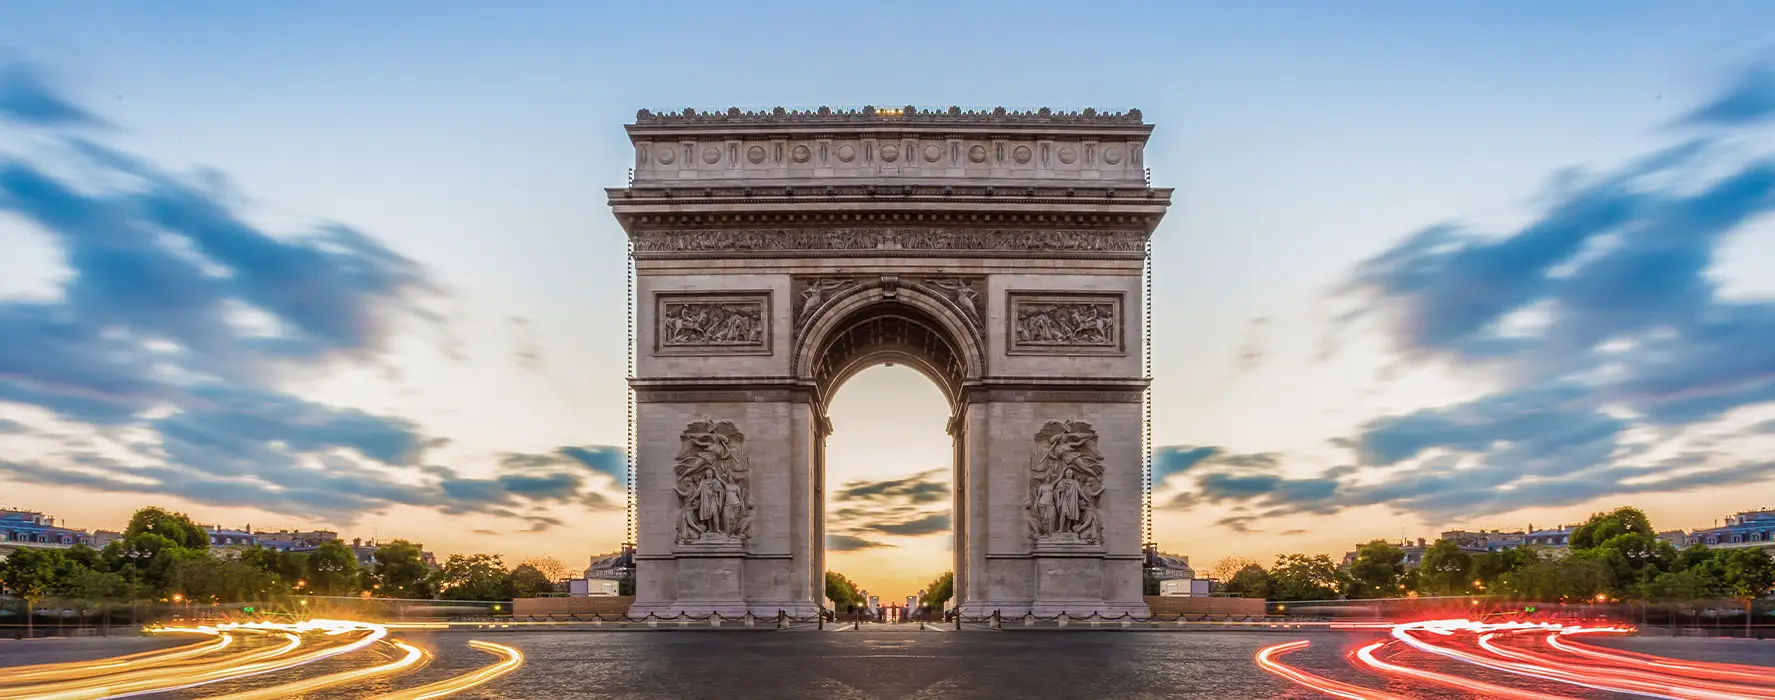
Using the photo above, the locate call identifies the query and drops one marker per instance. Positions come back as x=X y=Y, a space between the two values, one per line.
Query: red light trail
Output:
x=1538 y=651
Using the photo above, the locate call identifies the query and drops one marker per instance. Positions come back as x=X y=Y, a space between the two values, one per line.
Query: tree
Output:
x=527 y=581
x=1577 y=577
x=400 y=571
x=1750 y=574
x=1489 y=568
x=1603 y=526
x=284 y=568
x=844 y=595
x=174 y=526
x=1377 y=570
x=550 y=567
x=1445 y=570
x=474 y=577
x=29 y=574
x=332 y=569
x=1691 y=584
x=1250 y=582
x=1228 y=567
x=1303 y=577
x=938 y=592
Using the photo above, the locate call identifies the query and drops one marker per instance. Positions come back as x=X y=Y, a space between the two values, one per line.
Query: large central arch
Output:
x=776 y=255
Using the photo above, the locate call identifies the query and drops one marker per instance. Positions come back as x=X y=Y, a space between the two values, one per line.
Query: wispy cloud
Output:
x=909 y=506
x=180 y=324
x=27 y=99
x=1749 y=99
x=849 y=543
x=1599 y=323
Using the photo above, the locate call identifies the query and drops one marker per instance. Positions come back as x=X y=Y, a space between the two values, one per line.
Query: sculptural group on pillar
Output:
x=714 y=503
x=1066 y=481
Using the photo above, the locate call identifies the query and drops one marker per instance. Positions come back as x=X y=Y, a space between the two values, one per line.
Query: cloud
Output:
x=849 y=543
x=1177 y=459
x=1749 y=99
x=528 y=353
x=1598 y=323
x=27 y=98
x=180 y=324
x=909 y=506
x=1251 y=352
x=601 y=459
x=927 y=524
x=920 y=488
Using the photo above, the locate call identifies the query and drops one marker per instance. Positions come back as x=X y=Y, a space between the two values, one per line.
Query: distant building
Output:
x=1161 y=566
x=225 y=538
x=21 y=529
x=616 y=566
x=1746 y=529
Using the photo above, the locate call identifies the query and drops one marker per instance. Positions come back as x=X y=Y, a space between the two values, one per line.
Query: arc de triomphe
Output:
x=1002 y=254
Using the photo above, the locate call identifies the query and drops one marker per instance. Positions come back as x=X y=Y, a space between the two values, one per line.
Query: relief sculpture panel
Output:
x=1066 y=324
x=714 y=502
x=1066 y=481
x=713 y=324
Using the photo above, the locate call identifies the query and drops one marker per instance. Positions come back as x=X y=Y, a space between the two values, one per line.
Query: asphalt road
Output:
x=881 y=662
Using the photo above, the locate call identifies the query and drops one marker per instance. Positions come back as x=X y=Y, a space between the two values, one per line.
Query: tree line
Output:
x=1615 y=555
x=165 y=556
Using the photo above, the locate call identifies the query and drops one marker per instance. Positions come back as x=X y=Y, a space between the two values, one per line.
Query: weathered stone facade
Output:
x=779 y=253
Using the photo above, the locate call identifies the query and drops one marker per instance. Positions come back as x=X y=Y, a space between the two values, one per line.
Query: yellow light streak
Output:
x=450 y=686
x=144 y=678
x=207 y=662
x=414 y=659
x=68 y=671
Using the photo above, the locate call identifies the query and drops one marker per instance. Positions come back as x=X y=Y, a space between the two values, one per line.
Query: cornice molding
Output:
x=873 y=115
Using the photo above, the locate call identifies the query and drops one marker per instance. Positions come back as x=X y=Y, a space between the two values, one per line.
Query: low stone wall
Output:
x=1192 y=605
x=606 y=605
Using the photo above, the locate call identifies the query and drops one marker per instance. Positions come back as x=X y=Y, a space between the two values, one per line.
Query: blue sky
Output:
x=362 y=252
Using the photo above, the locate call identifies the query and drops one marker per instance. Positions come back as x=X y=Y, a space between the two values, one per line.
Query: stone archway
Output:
x=776 y=255
x=879 y=321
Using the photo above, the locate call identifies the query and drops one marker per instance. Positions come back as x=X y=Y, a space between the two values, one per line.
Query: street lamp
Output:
x=1448 y=569
x=134 y=557
x=1643 y=557
x=328 y=568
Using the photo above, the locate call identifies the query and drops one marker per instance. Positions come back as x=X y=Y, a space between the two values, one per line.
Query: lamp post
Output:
x=1643 y=558
x=1448 y=569
x=329 y=568
x=134 y=557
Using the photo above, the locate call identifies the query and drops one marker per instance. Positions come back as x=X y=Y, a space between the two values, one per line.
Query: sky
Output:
x=350 y=266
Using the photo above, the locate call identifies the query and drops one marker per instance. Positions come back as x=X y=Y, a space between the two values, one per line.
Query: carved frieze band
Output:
x=1070 y=323
x=712 y=323
x=1032 y=395
x=891 y=240
x=726 y=395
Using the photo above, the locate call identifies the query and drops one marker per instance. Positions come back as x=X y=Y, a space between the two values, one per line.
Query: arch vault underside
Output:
x=1003 y=259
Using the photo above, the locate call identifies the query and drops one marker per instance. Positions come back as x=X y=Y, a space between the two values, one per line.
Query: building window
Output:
x=43 y=539
x=1756 y=537
x=1737 y=539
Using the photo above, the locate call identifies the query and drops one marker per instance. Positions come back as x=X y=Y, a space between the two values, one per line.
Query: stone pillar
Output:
x=770 y=569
